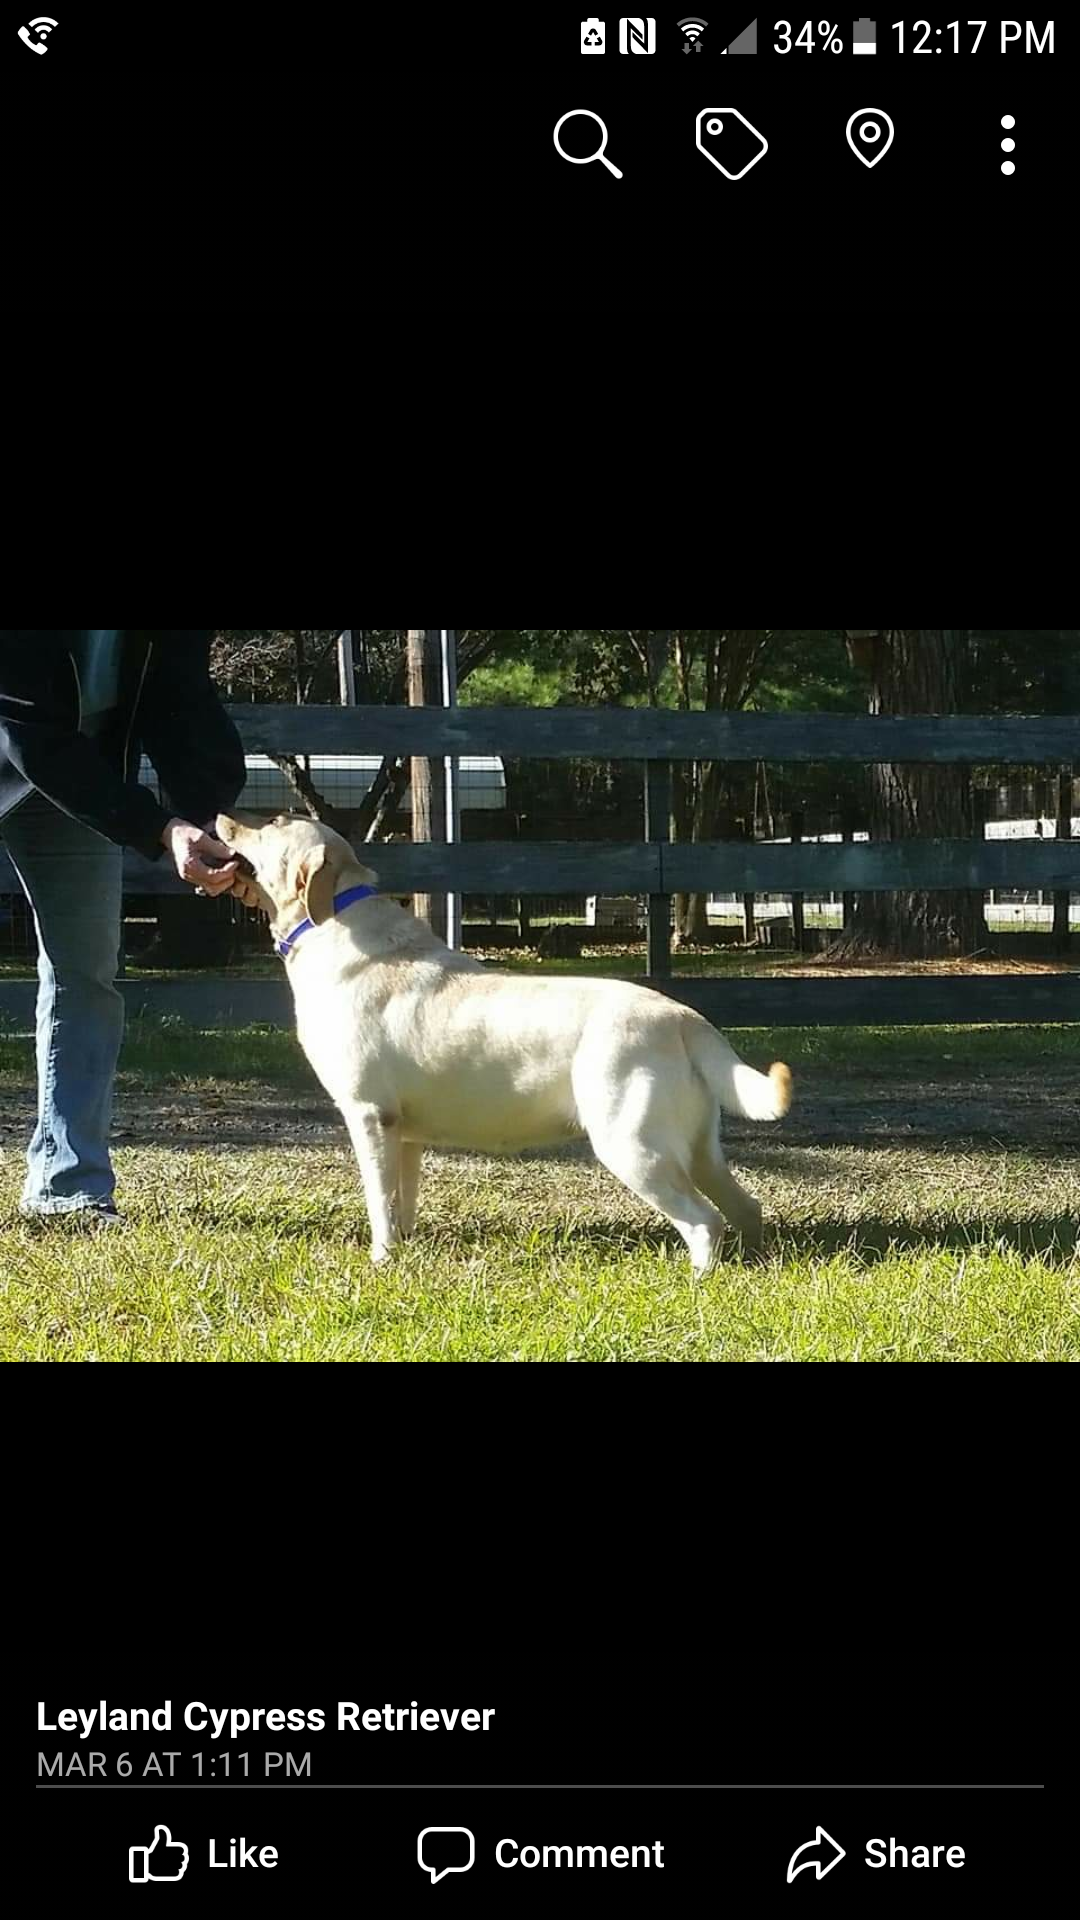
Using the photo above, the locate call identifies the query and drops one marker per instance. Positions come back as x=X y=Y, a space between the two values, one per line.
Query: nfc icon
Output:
x=637 y=36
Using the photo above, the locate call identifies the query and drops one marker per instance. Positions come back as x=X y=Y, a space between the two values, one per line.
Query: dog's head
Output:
x=294 y=862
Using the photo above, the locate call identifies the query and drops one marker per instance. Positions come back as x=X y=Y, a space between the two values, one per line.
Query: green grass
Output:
x=165 y=1048
x=942 y=1250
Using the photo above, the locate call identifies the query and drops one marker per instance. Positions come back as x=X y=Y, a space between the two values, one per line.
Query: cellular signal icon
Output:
x=693 y=30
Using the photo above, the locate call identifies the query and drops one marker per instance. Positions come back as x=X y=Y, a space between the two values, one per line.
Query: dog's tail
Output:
x=737 y=1087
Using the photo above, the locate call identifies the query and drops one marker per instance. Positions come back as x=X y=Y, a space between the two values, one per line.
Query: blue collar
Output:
x=285 y=947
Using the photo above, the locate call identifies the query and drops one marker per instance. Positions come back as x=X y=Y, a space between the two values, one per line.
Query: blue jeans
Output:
x=72 y=878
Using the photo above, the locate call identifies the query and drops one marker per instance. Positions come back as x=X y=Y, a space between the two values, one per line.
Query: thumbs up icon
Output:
x=165 y=1859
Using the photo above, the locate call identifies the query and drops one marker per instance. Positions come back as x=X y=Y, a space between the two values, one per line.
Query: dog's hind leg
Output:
x=408 y=1184
x=376 y=1138
x=713 y=1175
x=632 y=1122
x=657 y=1177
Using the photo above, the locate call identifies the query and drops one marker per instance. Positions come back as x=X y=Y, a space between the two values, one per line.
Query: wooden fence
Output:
x=658 y=868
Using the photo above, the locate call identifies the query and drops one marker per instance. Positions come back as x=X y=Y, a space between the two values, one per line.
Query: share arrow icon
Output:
x=804 y=1856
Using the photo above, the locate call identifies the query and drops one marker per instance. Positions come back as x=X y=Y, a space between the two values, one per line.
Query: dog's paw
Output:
x=381 y=1255
x=752 y=1250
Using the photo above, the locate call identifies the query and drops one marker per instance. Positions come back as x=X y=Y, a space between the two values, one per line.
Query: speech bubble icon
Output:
x=448 y=1850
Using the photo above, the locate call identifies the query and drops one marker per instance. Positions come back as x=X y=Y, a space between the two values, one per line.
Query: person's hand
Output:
x=191 y=848
x=244 y=889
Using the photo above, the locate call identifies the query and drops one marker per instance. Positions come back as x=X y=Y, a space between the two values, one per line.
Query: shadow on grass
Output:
x=869 y=1240
x=610 y=1239
x=616 y=1239
x=752 y=1151
x=1055 y=1237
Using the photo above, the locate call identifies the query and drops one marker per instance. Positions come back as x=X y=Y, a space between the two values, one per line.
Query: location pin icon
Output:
x=869 y=134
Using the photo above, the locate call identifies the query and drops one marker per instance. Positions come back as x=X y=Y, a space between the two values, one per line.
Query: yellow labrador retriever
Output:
x=421 y=1047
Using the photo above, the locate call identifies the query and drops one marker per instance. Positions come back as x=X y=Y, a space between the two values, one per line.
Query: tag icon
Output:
x=869 y=135
x=731 y=141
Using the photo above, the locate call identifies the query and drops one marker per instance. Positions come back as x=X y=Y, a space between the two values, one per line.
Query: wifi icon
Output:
x=43 y=24
x=693 y=30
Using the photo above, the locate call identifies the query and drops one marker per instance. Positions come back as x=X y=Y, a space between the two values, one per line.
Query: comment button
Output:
x=443 y=1850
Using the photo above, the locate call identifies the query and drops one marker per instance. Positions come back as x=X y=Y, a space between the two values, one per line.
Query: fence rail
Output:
x=721 y=866
x=655 y=733
x=930 y=1000
x=657 y=868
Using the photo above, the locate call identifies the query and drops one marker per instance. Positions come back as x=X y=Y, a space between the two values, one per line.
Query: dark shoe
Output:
x=93 y=1219
x=102 y=1215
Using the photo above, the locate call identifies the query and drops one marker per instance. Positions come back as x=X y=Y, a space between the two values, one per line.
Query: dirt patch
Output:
x=888 y=969
x=1036 y=1111
x=247 y=1115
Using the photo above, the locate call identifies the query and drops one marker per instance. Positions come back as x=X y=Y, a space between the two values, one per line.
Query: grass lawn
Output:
x=922 y=1199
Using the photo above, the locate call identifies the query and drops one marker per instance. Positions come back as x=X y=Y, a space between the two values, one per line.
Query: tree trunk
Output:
x=684 y=779
x=428 y=791
x=916 y=671
x=692 y=915
x=682 y=828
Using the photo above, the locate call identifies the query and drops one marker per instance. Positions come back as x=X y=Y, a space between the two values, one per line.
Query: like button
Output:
x=165 y=1859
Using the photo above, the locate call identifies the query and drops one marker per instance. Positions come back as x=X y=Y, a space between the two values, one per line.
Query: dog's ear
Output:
x=316 y=880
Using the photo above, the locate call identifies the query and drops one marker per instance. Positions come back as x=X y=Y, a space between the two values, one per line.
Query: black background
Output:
x=338 y=155
x=627 y=1703
x=644 y=1611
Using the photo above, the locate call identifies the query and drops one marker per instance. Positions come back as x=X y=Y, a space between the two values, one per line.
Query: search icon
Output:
x=584 y=160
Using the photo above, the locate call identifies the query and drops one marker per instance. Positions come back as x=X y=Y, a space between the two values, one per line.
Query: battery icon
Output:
x=864 y=37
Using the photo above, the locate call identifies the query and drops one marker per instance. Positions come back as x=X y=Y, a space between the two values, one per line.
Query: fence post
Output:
x=847 y=832
x=446 y=638
x=658 y=829
x=798 y=931
x=1064 y=832
x=428 y=788
x=749 y=921
x=980 y=814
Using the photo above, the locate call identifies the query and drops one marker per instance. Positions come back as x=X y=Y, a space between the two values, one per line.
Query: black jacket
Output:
x=167 y=706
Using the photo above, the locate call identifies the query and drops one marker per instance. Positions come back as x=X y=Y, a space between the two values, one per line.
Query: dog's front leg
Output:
x=376 y=1138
